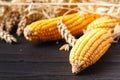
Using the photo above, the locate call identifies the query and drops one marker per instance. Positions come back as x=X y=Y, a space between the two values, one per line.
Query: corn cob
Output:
x=89 y=48
x=27 y=19
x=105 y=22
x=46 y=30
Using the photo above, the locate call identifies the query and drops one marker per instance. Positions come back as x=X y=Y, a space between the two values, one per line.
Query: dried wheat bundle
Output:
x=4 y=35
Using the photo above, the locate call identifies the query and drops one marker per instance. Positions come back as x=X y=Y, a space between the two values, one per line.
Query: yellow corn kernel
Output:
x=89 y=48
x=105 y=22
x=46 y=30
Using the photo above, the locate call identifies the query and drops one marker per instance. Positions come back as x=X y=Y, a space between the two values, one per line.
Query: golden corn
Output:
x=105 y=22
x=89 y=48
x=46 y=30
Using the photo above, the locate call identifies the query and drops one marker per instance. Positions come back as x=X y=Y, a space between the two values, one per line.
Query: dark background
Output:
x=43 y=61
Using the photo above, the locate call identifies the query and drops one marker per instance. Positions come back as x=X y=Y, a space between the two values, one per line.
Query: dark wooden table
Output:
x=44 y=61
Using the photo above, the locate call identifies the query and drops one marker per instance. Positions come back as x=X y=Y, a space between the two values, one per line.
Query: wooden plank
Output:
x=33 y=58
x=43 y=61
x=26 y=70
x=44 y=77
x=32 y=52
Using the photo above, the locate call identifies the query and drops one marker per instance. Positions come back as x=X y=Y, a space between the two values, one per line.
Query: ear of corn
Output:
x=105 y=22
x=27 y=19
x=46 y=30
x=89 y=48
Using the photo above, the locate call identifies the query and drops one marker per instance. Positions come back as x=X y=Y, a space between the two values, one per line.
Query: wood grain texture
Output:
x=44 y=61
